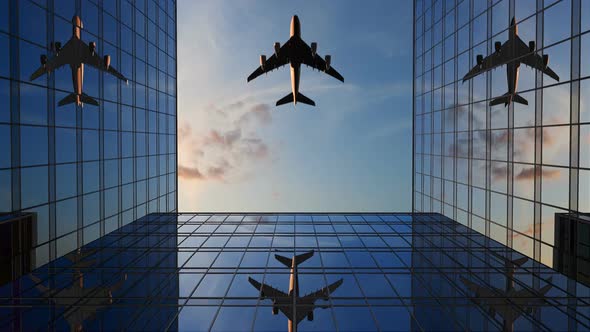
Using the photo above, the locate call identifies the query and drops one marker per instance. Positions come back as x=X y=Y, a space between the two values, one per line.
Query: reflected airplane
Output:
x=291 y=305
x=512 y=53
x=76 y=53
x=502 y=301
x=79 y=303
x=296 y=52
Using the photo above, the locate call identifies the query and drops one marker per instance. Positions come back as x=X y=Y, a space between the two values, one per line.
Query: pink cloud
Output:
x=529 y=173
x=190 y=173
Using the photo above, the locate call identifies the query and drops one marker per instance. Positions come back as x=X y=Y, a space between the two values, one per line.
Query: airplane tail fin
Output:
x=300 y=98
x=507 y=98
x=298 y=259
x=72 y=98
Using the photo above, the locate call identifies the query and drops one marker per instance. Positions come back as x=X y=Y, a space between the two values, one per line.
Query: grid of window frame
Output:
x=403 y=271
x=86 y=171
x=504 y=172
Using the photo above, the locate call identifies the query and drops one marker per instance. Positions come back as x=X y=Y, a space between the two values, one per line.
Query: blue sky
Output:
x=238 y=152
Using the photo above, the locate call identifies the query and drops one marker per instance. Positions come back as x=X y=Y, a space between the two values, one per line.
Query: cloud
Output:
x=255 y=148
x=529 y=173
x=189 y=172
x=499 y=172
x=225 y=152
x=225 y=140
x=218 y=172
x=258 y=112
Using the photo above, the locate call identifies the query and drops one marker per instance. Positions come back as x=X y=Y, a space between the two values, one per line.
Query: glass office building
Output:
x=86 y=171
x=194 y=272
x=508 y=172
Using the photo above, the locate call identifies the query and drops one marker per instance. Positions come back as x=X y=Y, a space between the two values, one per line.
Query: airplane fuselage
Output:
x=295 y=63
x=512 y=67
x=77 y=68
x=294 y=279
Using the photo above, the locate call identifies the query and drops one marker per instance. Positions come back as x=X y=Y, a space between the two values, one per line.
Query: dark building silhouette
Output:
x=571 y=255
x=17 y=239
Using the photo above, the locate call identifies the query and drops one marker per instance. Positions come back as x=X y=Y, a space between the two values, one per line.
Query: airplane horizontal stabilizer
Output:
x=285 y=100
x=303 y=99
x=518 y=99
x=300 y=99
x=71 y=98
x=86 y=99
x=507 y=98
x=298 y=259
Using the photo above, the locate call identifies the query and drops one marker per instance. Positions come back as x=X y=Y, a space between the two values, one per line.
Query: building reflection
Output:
x=109 y=284
x=295 y=307
x=571 y=254
x=509 y=303
x=481 y=283
x=422 y=272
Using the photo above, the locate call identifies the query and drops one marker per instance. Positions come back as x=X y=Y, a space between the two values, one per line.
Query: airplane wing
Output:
x=271 y=293
x=534 y=60
x=266 y=291
x=319 y=63
x=58 y=60
x=271 y=63
x=480 y=292
x=97 y=62
x=491 y=61
x=323 y=293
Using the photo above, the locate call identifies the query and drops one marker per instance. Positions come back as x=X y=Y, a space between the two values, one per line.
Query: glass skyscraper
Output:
x=508 y=172
x=197 y=272
x=86 y=171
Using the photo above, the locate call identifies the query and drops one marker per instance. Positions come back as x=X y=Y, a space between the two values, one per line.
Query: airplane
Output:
x=76 y=53
x=502 y=301
x=80 y=303
x=293 y=306
x=296 y=52
x=512 y=53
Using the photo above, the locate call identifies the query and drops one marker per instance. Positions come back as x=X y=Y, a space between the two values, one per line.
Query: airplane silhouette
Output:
x=296 y=52
x=80 y=303
x=501 y=301
x=76 y=53
x=512 y=53
x=293 y=306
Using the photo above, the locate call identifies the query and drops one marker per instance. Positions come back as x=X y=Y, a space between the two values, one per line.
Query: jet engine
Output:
x=479 y=59
x=532 y=46
x=498 y=46
x=545 y=60
x=314 y=48
x=328 y=60
x=262 y=61
x=275 y=310
x=277 y=48
x=92 y=47
x=107 y=61
x=43 y=60
x=310 y=316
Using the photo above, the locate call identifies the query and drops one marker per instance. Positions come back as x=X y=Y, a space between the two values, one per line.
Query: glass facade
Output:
x=86 y=171
x=192 y=272
x=507 y=172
